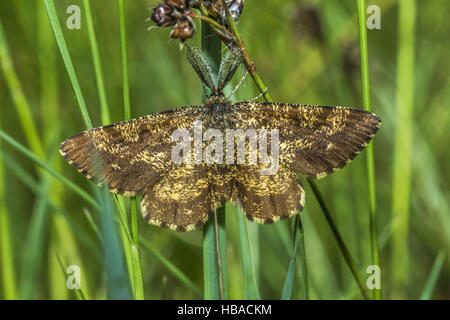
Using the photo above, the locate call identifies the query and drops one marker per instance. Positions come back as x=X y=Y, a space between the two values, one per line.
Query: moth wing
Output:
x=183 y=199
x=313 y=140
x=128 y=157
x=267 y=198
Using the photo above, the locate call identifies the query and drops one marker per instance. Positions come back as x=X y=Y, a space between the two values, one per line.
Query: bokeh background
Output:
x=306 y=52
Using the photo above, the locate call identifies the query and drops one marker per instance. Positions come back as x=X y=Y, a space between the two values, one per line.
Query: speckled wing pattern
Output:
x=134 y=158
x=313 y=141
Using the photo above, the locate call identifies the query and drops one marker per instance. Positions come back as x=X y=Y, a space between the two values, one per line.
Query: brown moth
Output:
x=136 y=157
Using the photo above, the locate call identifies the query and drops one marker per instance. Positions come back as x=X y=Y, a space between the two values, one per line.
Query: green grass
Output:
x=8 y=273
x=55 y=82
x=403 y=147
x=370 y=163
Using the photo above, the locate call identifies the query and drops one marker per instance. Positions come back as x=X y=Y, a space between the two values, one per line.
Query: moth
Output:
x=137 y=157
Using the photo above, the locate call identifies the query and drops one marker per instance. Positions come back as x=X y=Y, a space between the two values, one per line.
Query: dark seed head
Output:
x=179 y=4
x=234 y=6
x=162 y=15
x=183 y=29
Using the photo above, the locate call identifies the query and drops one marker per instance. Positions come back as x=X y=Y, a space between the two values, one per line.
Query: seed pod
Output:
x=234 y=6
x=162 y=16
x=178 y=4
x=183 y=29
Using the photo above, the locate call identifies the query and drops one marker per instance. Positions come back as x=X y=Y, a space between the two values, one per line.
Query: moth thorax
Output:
x=218 y=108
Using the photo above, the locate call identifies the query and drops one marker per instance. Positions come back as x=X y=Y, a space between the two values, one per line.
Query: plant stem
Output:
x=427 y=292
x=136 y=261
x=106 y=118
x=303 y=264
x=401 y=184
x=51 y=10
x=251 y=286
x=123 y=43
x=7 y=276
x=247 y=60
x=214 y=233
x=345 y=252
x=370 y=165
x=290 y=277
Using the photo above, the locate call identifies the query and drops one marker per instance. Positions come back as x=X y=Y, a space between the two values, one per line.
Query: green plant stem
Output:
x=136 y=261
x=105 y=116
x=123 y=46
x=251 y=286
x=7 y=269
x=290 y=277
x=247 y=60
x=370 y=164
x=51 y=10
x=214 y=232
x=118 y=284
x=401 y=184
x=345 y=252
x=78 y=292
x=303 y=264
x=428 y=290
x=35 y=241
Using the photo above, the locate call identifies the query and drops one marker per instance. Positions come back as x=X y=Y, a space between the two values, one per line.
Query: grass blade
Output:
x=47 y=168
x=345 y=252
x=123 y=46
x=251 y=286
x=118 y=286
x=105 y=116
x=370 y=165
x=136 y=261
x=8 y=275
x=78 y=292
x=51 y=10
x=290 y=277
x=428 y=290
x=303 y=265
x=31 y=260
x=401 y=183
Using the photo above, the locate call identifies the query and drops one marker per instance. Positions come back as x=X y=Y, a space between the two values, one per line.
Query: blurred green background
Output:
x=306 y=52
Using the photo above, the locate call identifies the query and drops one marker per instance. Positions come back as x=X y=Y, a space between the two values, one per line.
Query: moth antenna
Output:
x=228 y=67
x=202 y=67
x=260 y=95
x=238 y=85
